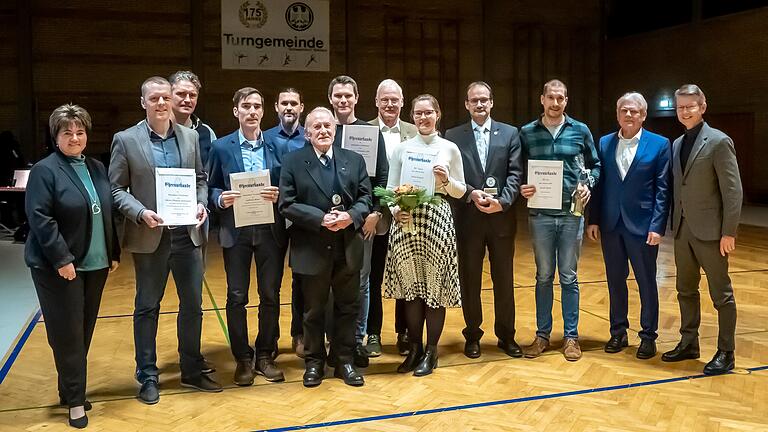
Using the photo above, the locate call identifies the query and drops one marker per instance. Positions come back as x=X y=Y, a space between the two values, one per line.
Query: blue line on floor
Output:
x=493 y=403
x=19 y=344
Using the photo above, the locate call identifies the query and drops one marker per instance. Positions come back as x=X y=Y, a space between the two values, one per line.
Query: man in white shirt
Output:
x=389 y=101
x=628 y=213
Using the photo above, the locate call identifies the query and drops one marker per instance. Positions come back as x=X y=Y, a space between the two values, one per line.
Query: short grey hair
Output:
x=389 y=83
x=633 y=96
x=692 y=90
x=308 y=122
x=184 y=75
x=66 y=115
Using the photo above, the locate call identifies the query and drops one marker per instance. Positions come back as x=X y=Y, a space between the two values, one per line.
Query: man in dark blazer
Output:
x=158 y=250
x=343 y=96
x=246 y=150
x=490 y=153
x=326 y=194
x=706 y=209
x=628 y=214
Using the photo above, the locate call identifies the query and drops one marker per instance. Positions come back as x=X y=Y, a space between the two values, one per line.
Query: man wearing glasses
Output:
x=706 y=210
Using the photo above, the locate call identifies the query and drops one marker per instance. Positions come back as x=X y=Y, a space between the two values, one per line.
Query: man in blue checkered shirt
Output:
x=557 y=233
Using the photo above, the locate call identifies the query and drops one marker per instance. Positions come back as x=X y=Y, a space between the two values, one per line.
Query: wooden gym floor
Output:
x=601 y=392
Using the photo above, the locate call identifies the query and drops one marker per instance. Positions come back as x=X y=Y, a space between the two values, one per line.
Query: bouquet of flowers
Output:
x=407 y=197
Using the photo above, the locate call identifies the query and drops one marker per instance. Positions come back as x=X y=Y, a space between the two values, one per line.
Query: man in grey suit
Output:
x=490 y=152
x=389 y=101
x=157 y=142
x=706 y=209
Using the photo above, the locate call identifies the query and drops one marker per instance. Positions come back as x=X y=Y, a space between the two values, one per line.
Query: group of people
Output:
x=346 y=245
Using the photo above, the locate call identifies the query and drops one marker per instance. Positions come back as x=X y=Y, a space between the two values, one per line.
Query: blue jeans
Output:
x=365 y=291
x=556 y=242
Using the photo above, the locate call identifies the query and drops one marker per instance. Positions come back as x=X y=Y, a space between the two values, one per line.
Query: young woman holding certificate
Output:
x=422 y=267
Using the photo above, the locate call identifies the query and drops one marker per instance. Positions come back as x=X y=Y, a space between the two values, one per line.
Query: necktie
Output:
x=388 y=129
x=482 y=145
x=324 y=159
x=626 y=160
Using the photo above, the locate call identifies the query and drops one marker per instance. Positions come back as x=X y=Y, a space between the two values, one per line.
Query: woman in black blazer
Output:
x=71 y=247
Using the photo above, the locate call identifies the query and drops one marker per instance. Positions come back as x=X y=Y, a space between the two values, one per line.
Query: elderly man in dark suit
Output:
x=490 y=153
x=156 y=142
x=326 y=194
x=706 y=209
x=246 y=150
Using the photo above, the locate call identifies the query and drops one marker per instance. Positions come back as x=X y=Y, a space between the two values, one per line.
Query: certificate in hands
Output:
x=176 y=194
x=547 y=176
x=417 y=170
x=251 y=208
x=363 y=140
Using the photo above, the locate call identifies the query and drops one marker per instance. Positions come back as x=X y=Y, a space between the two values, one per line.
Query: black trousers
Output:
x=70 y=309
x=177 y=254
x=297 y=306
x=376 y=279
x=345 y=285
x=471 y=252
x=258 y=244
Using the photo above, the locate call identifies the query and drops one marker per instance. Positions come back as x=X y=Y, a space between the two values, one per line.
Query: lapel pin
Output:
x=495 y=132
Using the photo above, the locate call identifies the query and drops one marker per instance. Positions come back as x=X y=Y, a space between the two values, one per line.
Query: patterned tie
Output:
x=482 y=145
x=625 y=159
x=324 y=159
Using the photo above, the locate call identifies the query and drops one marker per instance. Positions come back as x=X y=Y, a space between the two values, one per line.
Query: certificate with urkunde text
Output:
x=176 y=193
x=251 y=208
x=363 y=140
x=417 y=169
x=547 y=176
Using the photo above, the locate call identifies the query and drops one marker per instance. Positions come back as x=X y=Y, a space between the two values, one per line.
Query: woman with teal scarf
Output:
x=71 y=247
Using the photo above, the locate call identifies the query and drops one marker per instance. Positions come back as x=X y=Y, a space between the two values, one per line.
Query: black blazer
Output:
x=59 y=212
x=226 y=158
x=304 y=201
x=504 y=164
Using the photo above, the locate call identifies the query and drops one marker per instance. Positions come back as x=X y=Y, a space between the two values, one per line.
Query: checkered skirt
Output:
x=423 y=264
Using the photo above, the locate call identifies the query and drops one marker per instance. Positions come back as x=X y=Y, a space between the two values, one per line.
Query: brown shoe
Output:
x=244 y=373
x=298 y=345
x=269 y=370
x=572 y=351
x=535 y=349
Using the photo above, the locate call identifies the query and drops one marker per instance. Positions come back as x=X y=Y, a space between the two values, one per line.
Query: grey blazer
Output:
x=407 y=131
x=132 y=177
x=708 y=192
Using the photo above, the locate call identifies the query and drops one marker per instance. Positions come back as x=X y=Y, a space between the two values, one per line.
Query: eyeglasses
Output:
x=478 y=101
x=387 y=101
x=689 y=108
x=428 y=113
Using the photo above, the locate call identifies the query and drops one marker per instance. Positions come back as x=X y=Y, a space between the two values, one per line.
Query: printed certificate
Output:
x=251 y=208
x=176 y=194
x=547 y=176
x=363 y=140
x=417 y=170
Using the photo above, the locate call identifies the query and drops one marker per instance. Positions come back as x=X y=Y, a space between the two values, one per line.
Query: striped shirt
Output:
x=573 y=139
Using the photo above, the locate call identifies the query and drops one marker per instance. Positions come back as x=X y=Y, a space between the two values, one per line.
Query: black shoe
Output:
x=616 y=343
x=350 y=376
x=511 y=349
x=207 y=368
x=201 y=382
x=149 y=393
x=243 y=373
x=86 y=406
x=646 y=350
x=427 y=363
x=472 y=349
x=687 y=352
x=722 y=362
x=415 y=353
x=313 y=376
x=402 y=344
x=79 y=423
x=373 y=347
x=360 y=356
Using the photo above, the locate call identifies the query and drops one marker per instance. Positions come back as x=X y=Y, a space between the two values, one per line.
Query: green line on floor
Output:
x=216 y=308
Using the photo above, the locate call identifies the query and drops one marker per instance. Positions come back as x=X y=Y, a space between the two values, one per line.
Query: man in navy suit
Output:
x=326 y=194
x=490 y=152
x=628 y=213
x=245 y=150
